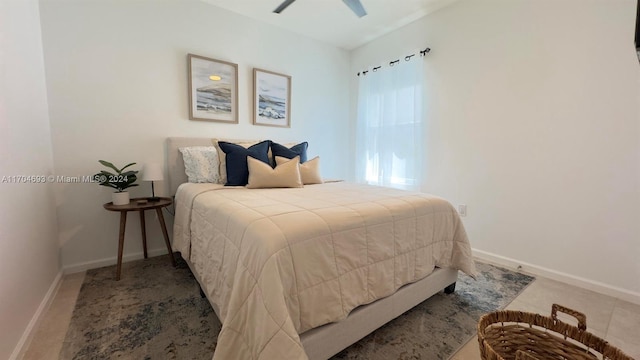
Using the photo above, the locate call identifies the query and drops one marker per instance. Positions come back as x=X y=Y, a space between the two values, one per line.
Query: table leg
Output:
x=166 y=235
x=144 y=233
x=123 y=223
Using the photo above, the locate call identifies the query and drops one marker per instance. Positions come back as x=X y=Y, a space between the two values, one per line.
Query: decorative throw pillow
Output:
x=290 y=153
x=262 y=175
x=309 y=171
x=223 y=158
x=201 y=164
x=236 y=160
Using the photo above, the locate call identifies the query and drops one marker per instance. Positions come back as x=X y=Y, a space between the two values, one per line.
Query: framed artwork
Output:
x=213 y=89
x=271 y=98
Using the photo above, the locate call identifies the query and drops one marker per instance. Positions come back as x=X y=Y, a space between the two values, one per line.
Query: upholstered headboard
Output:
x=175 y=163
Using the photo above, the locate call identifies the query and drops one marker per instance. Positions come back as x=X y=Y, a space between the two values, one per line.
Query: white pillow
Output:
x=201 y=164
x=309 y=171
x=262 y=175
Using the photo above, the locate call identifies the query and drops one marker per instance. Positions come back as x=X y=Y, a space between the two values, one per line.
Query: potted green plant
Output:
x=118 y=180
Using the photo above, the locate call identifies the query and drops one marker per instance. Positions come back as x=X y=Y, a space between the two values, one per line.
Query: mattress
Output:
x=278 y=262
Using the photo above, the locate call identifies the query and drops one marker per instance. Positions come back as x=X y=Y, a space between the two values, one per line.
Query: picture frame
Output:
x=271 y=98
x=213 y=89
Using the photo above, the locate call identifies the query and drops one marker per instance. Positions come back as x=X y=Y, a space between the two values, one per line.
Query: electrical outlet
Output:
x=462 y=210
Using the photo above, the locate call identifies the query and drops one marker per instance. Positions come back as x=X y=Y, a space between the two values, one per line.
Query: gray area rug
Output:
x=155 y=312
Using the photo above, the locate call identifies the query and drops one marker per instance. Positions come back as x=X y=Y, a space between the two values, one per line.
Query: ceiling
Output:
x=331 y=21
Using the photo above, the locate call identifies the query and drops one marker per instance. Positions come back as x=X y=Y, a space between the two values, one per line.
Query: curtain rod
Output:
x=391 y=63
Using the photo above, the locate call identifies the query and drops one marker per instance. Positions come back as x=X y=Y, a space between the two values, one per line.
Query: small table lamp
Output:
x=152 y=172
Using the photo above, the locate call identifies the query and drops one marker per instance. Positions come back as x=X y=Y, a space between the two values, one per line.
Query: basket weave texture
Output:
x=517 y=335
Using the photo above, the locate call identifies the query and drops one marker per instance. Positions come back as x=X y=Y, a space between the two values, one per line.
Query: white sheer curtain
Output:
x=390 y=129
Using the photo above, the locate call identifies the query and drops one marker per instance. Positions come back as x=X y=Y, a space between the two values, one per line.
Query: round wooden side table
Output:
x=140 y=205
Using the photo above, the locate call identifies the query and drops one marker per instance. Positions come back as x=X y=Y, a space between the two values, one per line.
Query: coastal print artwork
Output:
x=272 y=98
x=213 y=89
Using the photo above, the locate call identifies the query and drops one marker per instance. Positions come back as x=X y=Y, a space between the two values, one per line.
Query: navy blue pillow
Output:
x=236 y=155
x=290 y=153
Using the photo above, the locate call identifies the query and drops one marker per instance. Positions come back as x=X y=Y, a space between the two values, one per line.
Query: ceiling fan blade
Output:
x=283 y=6
x=356 y=7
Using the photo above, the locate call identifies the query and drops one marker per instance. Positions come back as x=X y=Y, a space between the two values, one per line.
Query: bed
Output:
x=305 y=272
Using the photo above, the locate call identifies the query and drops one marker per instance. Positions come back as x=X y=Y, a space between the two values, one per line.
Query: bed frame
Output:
x=325 y=341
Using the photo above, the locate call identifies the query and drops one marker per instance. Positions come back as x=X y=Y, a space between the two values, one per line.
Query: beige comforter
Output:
x=277 y=262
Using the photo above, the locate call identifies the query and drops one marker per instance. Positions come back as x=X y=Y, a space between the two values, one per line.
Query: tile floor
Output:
x=615 y=320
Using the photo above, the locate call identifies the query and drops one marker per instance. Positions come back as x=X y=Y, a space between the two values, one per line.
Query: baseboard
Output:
x=74 y=268
x=599 y=287
x=27 y=335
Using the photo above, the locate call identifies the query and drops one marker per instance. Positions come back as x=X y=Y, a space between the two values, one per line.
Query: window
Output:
x=390 y=126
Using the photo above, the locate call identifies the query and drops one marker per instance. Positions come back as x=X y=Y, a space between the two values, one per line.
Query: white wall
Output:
x=28 y=229
x=117 y=85
x=534 y=124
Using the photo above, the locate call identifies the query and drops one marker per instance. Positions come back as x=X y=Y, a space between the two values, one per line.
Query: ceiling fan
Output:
x=354 y=5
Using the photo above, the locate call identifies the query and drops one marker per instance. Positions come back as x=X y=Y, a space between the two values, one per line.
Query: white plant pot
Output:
x=120 y=198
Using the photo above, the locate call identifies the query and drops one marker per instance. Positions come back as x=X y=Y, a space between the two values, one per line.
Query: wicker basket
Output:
x=517 y=335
